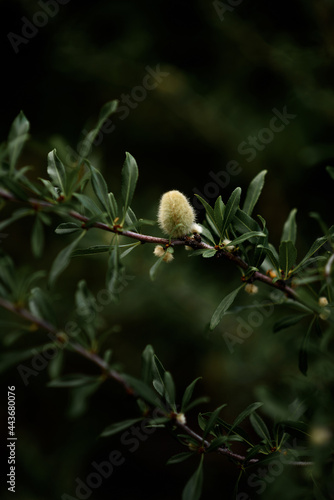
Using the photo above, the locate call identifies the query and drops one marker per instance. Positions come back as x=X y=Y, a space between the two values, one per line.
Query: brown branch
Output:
x=113 y=374
x=196 y=245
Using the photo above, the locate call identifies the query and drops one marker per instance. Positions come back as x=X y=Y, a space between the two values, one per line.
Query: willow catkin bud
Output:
x=176 y=216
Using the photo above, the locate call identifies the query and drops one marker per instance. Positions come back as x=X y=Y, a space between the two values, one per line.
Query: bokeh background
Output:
x=225 y=73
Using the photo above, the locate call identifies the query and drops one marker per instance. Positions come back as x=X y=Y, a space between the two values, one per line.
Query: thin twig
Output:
x=144 y=238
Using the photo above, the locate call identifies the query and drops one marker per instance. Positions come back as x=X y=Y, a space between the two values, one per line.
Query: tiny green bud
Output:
x=176 y=216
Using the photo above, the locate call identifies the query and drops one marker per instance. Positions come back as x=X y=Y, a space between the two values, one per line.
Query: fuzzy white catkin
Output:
x=176 y=216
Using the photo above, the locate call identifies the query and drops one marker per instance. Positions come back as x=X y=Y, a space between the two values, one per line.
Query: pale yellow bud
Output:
x=181 y=418
x=159 y=251
x=320 y=435
x=168 y=257
x=323 y=302
x=251 y=289
x=228 y=247
x=176 y=216
x=325 y=314
x=196 y=228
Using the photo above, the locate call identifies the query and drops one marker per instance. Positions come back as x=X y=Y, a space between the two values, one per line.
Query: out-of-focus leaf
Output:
x=180 y=457
x=223 y=307
x=193 y=488
x=40 y=305
x=244 y=414
x=303 y=351
x=18 y=135
x=62 y=260
x=288 y=321
x=319 y=242
x=260 y=427
x=143 y=390
x=212 y=420
x=68 y=228
x=119 y=426
x=37 y=238
x=188 y=395
x=72 y=380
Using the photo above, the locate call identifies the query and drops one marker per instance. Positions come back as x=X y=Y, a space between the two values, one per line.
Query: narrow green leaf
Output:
x=288 y=321
x=87 y=206
x=180 y=457
x=154 y=269
x=147 y=363
x=291 y=426
x=260 y=427
x=115 y=272
x=68 y=228
x=169 y=390
x=143 y=390
x=193 y=488
x=62 y=260
x=56 y=172
x=287 y=256
x=244 y=414
x=219 y=213
x=188 y=395
x=253 y=192
x=212 y=420
x=247 y=236
x=117 y=427
x=113 y=207
x=223 y=307
x=107 y=109
x=100 y=188
x=207 y=234
x=196 y=402
x=37 y=238
x=72 y=380
x=86 y=144
x=209 y=214
x=129 y=181
x=272 y=256
x=319 y=242
x=41 y=306
x=290 y=228
x=231 y=208
x=243 y=223
x=96 y=249
x=18 y=135
x=209 y=253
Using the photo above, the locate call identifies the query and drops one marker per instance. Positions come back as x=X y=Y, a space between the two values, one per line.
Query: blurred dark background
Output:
x=221 y=75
